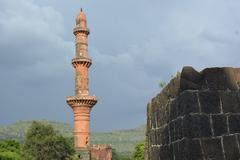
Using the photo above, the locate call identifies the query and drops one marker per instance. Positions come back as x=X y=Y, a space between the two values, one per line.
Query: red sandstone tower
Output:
x=82 y=102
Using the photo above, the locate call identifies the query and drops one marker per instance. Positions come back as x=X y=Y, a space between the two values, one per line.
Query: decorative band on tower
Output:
x=82 y=102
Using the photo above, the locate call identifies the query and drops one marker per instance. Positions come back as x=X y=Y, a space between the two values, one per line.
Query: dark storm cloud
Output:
x=33 y=62
x=134 y=45
x=29 y=34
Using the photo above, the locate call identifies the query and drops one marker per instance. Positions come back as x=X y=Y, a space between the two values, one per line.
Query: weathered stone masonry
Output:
x=196 y=117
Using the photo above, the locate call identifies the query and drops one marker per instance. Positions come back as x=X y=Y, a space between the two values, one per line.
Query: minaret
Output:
x=82 y=102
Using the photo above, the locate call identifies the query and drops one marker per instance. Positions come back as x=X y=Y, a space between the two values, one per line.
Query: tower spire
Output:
x=81 y=103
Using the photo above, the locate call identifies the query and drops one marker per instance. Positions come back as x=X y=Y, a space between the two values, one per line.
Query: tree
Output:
x=44 y=143
x=139 y=151
x=10 y=150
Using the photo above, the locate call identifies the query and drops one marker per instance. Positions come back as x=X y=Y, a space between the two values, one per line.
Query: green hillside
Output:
x=122 y=140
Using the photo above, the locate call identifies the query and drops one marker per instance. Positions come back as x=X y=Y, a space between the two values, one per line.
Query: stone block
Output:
x=155 y=102
x=174 y=109
x=219 y=124
x=157 y=152
x=152 y=122
x=154 y=117
x=163 y=117
x=165 y=136
x=149 y=116
x=210 y=78
x=176 y=151
x=164 y=152
x=153 y=137
x=212 y=149
x=159 y=133
x=196 y=126
x=209 y=101
x=150 y=152
x=231 y=148
x=168 y=112
x=173 y=87
x=230 y=102
x=234 y=123
x=188 y=103
x=194 y=150
x=154 y=154
x=157 y=136
x=190 y=79
x=219 y=78
x=171 y=151
x=238 y=138
x=160 y=119
x=183 y=150
x=189 y=149
x=191 y=127
x=178 y=128
x=204 y=126
x=162 y=98
x=172 y=132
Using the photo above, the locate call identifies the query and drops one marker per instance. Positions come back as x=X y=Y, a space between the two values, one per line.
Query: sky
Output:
x=134 y=45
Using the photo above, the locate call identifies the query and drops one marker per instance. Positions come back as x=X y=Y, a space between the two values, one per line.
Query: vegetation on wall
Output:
x=162 y=85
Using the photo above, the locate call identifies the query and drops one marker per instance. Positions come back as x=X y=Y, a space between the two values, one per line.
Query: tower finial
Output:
x=81 y=9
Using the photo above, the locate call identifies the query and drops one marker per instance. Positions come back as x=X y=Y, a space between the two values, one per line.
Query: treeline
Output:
x=43 y=142
x=123 y=141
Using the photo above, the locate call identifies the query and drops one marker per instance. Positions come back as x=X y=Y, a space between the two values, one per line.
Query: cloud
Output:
x=134 y=45
x=34 y=58
x=30 y=35
x=159 y=40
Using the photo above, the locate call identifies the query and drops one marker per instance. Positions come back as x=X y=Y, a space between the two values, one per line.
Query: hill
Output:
x=121 y=140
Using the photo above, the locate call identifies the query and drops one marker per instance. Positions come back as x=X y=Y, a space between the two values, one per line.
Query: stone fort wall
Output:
x=196 y=117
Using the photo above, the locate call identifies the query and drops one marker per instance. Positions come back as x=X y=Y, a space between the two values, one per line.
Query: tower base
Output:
x=83 y=154
x=101 y=152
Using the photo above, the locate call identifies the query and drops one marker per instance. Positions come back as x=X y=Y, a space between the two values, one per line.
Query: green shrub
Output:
x=139 y=151
x=10 y=150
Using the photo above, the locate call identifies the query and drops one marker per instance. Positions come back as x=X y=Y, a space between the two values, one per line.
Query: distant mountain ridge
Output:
x=123 y=141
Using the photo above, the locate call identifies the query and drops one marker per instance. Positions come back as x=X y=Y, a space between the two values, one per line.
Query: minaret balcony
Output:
x=75 y=101
x=81 y=60
x=79 y=29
